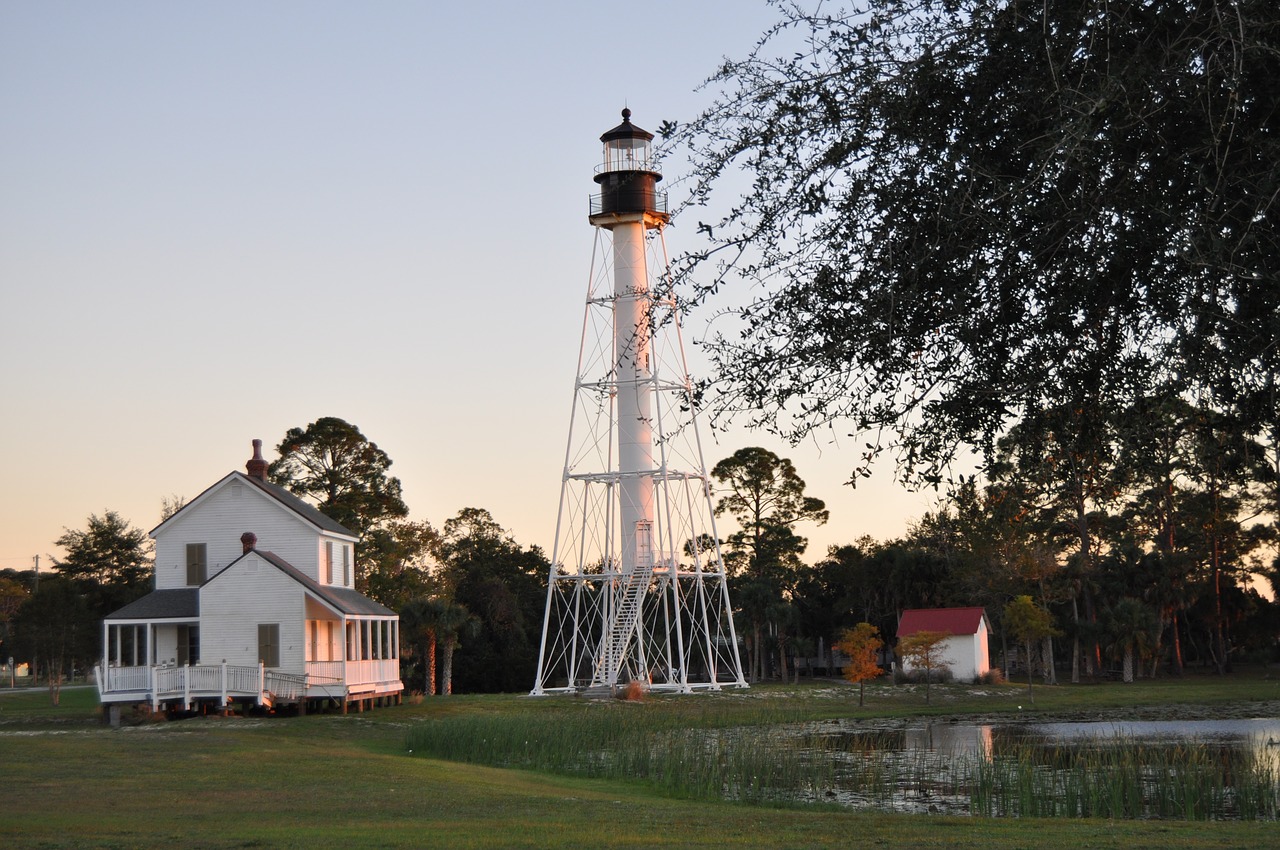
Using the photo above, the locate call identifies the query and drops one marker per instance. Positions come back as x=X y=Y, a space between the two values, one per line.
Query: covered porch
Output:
x=156 y=661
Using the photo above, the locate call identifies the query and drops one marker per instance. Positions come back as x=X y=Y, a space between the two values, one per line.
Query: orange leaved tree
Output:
x=861 y=643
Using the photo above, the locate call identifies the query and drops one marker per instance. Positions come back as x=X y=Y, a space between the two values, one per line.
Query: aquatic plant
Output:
x=768 y=762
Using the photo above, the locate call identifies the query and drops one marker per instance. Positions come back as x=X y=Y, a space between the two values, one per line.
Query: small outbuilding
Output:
x=966 y=651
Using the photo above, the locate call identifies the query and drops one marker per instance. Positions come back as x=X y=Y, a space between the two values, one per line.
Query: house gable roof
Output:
x=181 y=603
x=342 y=600
x=302 y=509
x=953 y=621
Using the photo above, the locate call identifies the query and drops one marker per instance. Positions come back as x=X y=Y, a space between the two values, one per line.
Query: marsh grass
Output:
x=1127 y=779
x=775 y=763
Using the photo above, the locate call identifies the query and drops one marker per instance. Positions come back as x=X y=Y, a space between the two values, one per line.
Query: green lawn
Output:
x=328 y=780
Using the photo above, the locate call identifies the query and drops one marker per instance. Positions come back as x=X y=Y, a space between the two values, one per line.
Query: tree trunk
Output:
x=1159 y=647
x=431 y=663
x=1128 y=663
x=446 y=663
x=1075 y=643
x=757 y=656
x=1177 y=645
x=1031 y=694
x=1219 y=634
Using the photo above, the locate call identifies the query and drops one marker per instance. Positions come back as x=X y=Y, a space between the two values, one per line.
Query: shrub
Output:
x=918 y=676
x=633 y=692
x=994 y=676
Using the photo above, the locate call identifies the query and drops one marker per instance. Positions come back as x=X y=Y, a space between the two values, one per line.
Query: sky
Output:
x=219 y=221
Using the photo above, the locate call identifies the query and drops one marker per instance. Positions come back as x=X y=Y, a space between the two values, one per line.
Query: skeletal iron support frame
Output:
x=637 y=590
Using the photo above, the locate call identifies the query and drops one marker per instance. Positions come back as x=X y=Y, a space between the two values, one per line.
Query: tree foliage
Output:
x=399 y=561
x=960 y=212
x=1028 y=623
x=765 y=496
x=109 y=551
x=1131 y=627
x=502 y=586
x=337 y=467
x=56 y=631
x=924 y=650
x=862 y=644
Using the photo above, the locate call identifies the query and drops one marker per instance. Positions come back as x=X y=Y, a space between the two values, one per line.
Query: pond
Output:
x=1186 y=769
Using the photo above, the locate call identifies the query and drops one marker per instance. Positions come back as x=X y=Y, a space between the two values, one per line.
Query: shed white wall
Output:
x=232 y=607
x=966 y=655
x=218 y=520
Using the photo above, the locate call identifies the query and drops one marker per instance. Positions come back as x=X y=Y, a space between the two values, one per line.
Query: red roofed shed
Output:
x=966 y=651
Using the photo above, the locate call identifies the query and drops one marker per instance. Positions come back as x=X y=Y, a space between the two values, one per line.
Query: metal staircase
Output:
x=622 y=626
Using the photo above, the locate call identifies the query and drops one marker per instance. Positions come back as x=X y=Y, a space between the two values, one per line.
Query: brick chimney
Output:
x=248 y=540
x=256 y=466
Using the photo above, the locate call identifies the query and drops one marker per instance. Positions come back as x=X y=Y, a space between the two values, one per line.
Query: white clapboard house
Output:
x=965 y=651
x=254 y=601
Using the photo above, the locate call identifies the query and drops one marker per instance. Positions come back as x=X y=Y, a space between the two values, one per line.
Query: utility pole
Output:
x=35 y=582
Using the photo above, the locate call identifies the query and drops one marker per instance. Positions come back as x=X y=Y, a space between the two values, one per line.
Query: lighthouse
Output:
x=637 y=590
x=629 y=206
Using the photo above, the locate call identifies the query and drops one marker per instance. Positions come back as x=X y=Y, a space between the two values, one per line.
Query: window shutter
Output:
x=269 y=644
x=197 y=564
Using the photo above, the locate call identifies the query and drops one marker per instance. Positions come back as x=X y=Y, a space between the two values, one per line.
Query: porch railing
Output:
x=202 y=681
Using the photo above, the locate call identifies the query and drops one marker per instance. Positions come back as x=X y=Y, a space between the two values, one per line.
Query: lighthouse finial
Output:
x=626 y=115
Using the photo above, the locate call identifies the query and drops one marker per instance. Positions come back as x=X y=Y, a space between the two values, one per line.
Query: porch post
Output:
x=262 y=680
x=151 y=672
x=343 y=652
x=224 y=683
x=104 y=685
x=186 y=686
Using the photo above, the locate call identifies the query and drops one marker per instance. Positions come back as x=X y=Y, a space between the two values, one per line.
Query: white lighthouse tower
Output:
x=637 y=588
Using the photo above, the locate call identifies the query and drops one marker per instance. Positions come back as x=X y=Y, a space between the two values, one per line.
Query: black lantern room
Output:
x=628 y=178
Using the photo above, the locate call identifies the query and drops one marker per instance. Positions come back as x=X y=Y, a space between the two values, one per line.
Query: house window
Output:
x=197 y=564
x=328 y=562
x=346 y=566
x=269 y=644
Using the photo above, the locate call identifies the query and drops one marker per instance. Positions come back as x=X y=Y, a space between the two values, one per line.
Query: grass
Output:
x=328 y=780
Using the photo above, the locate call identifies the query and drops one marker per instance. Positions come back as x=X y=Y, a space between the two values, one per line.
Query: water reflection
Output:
x=1184 y=769
x=951 y=739
x=1258 y=737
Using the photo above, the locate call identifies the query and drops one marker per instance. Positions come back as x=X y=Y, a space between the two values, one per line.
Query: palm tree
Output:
x=1132 y=627
x=420 y=623
x=453 y=623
